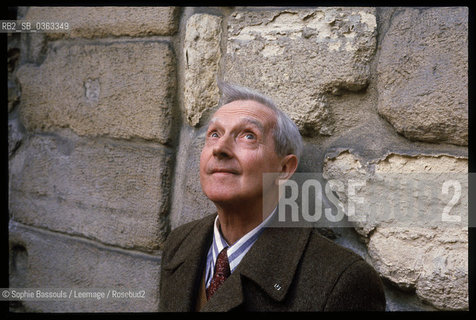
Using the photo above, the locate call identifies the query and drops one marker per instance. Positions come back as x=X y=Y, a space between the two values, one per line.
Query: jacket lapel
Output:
x=228 y=296
x=185 y=269
x=271 y=263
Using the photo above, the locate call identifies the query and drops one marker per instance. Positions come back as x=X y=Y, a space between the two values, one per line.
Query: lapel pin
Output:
x=277 y=286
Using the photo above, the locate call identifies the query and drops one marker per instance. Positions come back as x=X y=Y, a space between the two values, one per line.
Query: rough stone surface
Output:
x=299 y=56
x=396 y=163
x=98 y=22
x=432 y=261
x=423 y=74
x=108 y=191
x=202 y=56
x=42 y=259
x=426 y=255
x=190 y=203
x=15 y=137
x=13 y=55
x=344 y=165
x=33 y=47
x=123 y=90
x=13 y=94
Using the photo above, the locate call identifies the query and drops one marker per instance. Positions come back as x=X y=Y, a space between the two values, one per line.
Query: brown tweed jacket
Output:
x=287 y=269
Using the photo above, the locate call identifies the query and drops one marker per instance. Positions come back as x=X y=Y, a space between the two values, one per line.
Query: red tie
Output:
x=222 y=271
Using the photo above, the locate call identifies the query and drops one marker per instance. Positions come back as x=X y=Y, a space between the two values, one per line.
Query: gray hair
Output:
x=287 y=138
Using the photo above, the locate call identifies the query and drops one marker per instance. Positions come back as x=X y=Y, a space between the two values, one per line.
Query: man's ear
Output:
x=288 y=166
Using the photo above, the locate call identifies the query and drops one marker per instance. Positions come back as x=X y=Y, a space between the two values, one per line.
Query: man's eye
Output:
x=213 y=135
x=249 y=136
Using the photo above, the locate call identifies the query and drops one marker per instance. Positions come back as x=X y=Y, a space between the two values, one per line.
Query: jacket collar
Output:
x=271 y=263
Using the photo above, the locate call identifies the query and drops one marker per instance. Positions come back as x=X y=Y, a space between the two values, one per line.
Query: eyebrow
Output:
x=248 y=120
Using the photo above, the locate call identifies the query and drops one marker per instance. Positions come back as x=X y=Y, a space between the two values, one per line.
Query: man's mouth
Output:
x=224 y=171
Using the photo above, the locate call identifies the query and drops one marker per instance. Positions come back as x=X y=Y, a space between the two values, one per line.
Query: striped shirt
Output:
x=235 y=252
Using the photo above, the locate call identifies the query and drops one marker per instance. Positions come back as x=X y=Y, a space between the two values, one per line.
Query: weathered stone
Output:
x=434 y=261
x=411 y=241
x=423 y=74
x=13 y=94
x=15 y=136
x=346 y=167
x=13 y=91
x=98 y=22
x=33 y=47
x=396 y=163
x=190 y=203
x=108 y=191
x=43 y=259
x=123 y=90
x=343 y=165
x=299 y=56
x=202 y=56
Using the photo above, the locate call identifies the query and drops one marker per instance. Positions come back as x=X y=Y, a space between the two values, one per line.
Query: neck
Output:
x=236 y=221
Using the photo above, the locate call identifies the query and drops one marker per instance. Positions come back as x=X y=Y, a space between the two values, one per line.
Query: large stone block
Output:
x=423 y=74
x=202 y=57
x=300 y=56
x=98 y=22
x=113 y=192
x=43 y=259
x=119 y=89
x=412 y=241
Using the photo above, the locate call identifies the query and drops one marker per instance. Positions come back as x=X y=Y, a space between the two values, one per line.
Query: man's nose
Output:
x=223 y=148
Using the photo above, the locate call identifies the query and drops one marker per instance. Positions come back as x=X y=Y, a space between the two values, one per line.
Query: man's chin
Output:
x=221 y=199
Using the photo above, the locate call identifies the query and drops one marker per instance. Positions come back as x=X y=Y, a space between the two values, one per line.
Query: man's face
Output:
x=239 y=147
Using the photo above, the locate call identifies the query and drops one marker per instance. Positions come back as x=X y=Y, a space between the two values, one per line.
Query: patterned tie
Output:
x=222 y=271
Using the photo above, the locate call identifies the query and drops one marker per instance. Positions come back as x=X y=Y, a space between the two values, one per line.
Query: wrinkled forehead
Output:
x=246 y=111
x=244 y=120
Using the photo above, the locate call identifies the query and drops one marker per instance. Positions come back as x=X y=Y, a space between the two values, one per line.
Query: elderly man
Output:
x=233 y=260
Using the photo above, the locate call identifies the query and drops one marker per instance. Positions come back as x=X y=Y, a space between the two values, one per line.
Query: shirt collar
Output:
x=236 y=251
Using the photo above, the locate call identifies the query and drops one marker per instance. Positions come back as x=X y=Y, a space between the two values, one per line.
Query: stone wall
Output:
x=106 y=124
